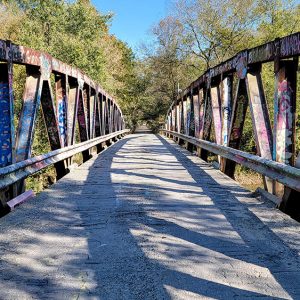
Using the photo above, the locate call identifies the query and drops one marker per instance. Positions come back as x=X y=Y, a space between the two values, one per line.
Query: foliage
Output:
x=199 y=34
x=74 y=32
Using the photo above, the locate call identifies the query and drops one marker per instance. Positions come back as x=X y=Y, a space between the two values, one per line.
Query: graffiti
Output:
x=5 y=129
x=241 y=64
x=226 y=113
x=80 y=83
x=62 y=116
x=261 y=53
x=31 y=57
x=196 y=115
x=260 y=121
x=46 y=67
x=2 y=50
x=188 y=115
x=17 y=53
x=183 y=117
x=216 y=113
x=284 y=122
x=178 y=118
x=290 y=45
x=239 y=115
x=173 y=119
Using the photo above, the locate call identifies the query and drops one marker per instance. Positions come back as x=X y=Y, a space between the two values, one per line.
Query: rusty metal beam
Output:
x=288 y=47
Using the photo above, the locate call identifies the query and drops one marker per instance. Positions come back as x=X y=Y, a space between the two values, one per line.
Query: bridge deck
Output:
x=147 y=220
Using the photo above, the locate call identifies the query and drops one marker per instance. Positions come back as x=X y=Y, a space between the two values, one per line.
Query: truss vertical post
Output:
x=7 y=142
x=285 y=128
x=30 y=108
x=226 y=100
x=260 y=118
x=237 y=123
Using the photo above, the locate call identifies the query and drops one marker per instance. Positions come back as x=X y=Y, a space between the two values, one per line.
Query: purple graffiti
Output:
x=290 y=45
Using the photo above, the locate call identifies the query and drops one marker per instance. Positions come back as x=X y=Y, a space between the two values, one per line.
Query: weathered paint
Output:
x=196 y=114
x=61 y=108
x=173 y=119
x=188 y=115
x=92 y=115
x=50 y=116
x=102 y=113
x=87 y=104
x=178 y=117
x=285 y=113
x=18 y=171
x=260 y=118
x=241 y=64
x=5 y=128
x=207 y=117
x=6 y=117
x=202 y=102
x=72 y=107
x=184 y=115
x=237 y=123
x=31 y=104
x=226 y=100
x=238 y=114
x=97 y=116
x=216 y=113
x=81 y=116
x=180 y=120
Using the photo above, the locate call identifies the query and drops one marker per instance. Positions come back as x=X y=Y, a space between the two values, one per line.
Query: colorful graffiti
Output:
x=178 y=117
x=284 y=123
x=238 y=114
x=290 y=45
x=260 y=115
x=201 y=113
x=5 y=126
x=62 y=117
x=188 y=115
x=216 y=113
x=46 y=67
x=196 y=114
x=241 y=64
x=226 y=93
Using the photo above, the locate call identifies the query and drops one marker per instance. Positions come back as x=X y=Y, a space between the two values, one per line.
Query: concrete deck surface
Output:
x=148 y=220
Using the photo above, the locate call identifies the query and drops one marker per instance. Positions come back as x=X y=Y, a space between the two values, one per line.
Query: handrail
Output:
x=215 y=106
x=285 y=174
x=18 y=171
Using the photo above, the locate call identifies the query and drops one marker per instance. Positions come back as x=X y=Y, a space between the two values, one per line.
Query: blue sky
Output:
x=133 y=18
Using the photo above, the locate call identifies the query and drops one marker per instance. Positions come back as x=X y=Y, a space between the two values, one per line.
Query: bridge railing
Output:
x=209 y=104
x=76 y=99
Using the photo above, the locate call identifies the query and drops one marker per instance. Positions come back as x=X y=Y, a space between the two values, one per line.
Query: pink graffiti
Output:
x=284 y=105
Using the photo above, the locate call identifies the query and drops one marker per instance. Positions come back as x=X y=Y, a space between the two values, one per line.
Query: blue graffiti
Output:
x=62 y=116
x=5 y=123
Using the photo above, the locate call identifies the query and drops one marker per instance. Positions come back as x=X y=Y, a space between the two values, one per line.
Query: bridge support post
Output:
x=239 y=110
x=7 y=154
x=25 y=132
x=285 y=130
